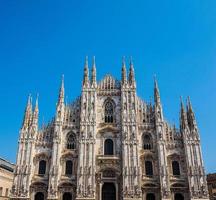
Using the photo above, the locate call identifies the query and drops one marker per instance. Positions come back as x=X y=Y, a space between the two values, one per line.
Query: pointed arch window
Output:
x=109 y=112
x=71 y=141
x=147 y=142
x=175 y=168
x=42 y=167
x=108 y=147
x=149 y=168
x=69 y=167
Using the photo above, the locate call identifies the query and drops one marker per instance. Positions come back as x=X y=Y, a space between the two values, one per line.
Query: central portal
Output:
x=108 y=191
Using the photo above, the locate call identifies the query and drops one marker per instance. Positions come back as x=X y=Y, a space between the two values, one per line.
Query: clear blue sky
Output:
x=40 y=40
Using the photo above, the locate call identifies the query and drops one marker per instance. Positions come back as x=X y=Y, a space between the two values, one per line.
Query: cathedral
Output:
x=108 y=144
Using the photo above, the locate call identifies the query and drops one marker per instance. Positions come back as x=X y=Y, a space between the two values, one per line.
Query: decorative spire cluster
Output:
x=86 y=82
x=30 y=117
x=187 y=118
x=131 y=75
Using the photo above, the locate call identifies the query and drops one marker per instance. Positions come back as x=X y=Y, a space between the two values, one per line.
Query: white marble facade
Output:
x=109 y=145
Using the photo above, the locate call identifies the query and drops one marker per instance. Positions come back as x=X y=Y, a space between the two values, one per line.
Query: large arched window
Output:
x=71 y=141
x=175 y=168
x=147 y=142
x=69 y=167
x=39 y=196
x=109 y=112
x=42 y=167
x=179 y=196
x=150 y=196
x=108 y=147
x=148 y=168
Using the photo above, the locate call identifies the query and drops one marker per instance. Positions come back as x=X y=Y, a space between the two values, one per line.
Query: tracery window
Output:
x=71 y=141
x=109 y=112
x=68 y=167
x=147 y=142
x=108 y=147
x=42 y=167
x=148 y=168
x=175 y=168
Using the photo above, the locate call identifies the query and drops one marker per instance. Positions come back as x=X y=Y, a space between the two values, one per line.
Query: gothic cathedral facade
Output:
x=109 y=145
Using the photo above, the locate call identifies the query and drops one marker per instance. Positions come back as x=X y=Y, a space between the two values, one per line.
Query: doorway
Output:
x=108 y=191
x=67 y=196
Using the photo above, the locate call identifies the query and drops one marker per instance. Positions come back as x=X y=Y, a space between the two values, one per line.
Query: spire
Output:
x=93 y=78
x=61 y=92
x=183 y=118
x=86 y=72
x=36 y=112
x=28 y=113
x=156 y=92
x=124 y=72
x=157 y=106
x=131 y=73
x=190 y=115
